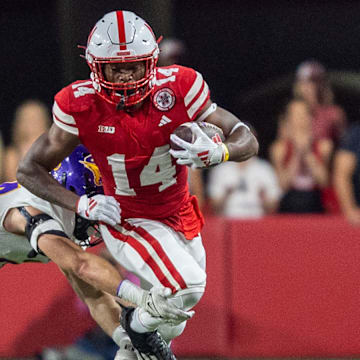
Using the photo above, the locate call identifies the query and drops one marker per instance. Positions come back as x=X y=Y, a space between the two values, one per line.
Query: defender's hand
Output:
x=202 y=153
x=100 y=208
x=157 y=302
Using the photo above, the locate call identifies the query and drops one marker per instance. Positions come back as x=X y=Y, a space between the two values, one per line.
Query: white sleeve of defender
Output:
x=41 y=228
x=64 y=121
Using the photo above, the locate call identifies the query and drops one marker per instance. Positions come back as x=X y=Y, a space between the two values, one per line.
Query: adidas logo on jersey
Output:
x=164 y=120
x=106 y=129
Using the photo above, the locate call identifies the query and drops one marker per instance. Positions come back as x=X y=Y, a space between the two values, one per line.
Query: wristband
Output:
x=118 y=288
x=226 y=153
x=131 y=293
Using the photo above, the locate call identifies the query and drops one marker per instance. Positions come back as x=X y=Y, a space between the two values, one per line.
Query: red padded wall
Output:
x=296 y=287
x=38 y=308
x=284 y=286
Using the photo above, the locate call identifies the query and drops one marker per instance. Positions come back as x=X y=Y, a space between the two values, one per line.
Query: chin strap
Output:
x=120 y=105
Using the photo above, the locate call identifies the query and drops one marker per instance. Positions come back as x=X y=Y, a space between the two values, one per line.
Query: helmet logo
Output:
x=88 y=162
x=164 y=99
x=57 y=167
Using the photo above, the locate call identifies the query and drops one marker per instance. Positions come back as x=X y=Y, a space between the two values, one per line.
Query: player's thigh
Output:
x=157 y=254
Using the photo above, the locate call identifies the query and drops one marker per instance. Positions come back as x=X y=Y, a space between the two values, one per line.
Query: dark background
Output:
x=247 y=50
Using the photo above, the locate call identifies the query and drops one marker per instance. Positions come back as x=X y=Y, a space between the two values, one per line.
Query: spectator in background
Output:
x=328 y=118
x=172 y=51
x=32 y=118
x=312 y=85
x=244 y=190
x=301 y=161
x=347 y=174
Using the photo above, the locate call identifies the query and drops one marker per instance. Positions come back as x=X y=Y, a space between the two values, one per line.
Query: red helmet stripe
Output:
x=121 y=29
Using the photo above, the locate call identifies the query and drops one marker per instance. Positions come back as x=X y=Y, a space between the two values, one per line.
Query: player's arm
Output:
x=43 y=156
x=46 y=235
x=89 y=267
x=240 y=143
x=239 y=140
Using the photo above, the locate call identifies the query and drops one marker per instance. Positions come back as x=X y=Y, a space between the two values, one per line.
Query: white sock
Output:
x=119 y=335
x=142 y=321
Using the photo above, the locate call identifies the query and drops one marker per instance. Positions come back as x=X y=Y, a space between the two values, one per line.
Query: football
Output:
x=184 y=132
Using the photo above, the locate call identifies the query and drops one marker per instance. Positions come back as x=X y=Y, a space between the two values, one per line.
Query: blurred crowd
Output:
x=312 y=164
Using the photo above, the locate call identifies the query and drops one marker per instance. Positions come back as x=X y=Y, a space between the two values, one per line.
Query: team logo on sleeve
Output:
x=164 y=99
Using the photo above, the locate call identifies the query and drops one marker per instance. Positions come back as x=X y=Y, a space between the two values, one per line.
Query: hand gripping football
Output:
x=184 y=132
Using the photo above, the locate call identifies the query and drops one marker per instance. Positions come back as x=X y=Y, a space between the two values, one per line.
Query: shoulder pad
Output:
x=189 y=85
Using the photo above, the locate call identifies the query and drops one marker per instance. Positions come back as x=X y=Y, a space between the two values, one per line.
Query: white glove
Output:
x=202 y=153
x=156 y=302
x=99 y=208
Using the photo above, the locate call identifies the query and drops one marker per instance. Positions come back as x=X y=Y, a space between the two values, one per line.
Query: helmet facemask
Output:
x=127 y=93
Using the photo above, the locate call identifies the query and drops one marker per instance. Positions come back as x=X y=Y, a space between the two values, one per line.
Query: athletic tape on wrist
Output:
x=118 y=288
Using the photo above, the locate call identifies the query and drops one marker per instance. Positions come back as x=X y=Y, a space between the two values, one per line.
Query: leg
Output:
x=160 y=256
x=106 y=312
x=102 y=306
x=89 y=267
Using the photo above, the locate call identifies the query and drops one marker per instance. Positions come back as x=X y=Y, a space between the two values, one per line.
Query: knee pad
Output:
x=184 y=299
x=169 y=332
x=188 y=298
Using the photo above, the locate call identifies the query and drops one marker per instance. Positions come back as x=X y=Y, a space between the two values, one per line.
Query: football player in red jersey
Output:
x=125 y=115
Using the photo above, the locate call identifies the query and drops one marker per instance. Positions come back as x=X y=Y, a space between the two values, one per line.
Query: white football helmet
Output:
x=121 y=37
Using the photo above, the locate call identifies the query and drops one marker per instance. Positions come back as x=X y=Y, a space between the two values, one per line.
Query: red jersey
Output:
x=131 y=148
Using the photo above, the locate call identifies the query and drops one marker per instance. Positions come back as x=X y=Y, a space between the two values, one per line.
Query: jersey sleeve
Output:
x=70 y=101
x=194 y=90
x=62 y=112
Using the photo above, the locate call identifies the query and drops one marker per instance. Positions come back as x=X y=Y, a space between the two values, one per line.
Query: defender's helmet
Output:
x=79 y=173
x=122 y=37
